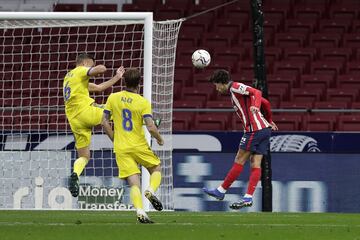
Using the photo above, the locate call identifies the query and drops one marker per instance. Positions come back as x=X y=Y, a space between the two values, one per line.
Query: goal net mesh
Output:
x=37 y=148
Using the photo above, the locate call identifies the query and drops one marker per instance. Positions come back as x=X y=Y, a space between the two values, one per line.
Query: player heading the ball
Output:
x=247 y=102
x=81 y=110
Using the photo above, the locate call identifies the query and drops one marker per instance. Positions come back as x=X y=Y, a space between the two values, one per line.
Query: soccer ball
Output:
x=201 y=58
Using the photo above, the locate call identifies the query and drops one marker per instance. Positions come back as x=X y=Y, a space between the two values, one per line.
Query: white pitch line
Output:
x=185 y=224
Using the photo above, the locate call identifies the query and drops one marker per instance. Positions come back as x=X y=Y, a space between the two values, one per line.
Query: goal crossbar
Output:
x=75 y=15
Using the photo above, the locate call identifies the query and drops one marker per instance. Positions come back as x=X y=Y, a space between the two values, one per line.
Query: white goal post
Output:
x=37 y=146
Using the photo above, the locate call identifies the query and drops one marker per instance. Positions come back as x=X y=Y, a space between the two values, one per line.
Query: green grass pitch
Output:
x=102 y=225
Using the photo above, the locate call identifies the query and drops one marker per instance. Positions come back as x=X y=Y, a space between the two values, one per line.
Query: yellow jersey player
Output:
x=129 y=110
x=81 y=111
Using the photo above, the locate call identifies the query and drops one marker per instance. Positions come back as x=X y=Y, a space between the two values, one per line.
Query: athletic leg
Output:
x=135 y=196
x=79 y=165
x=233 y=174
x=254 y=175
x=81 y=127
x=260 y=147
x=155 y=180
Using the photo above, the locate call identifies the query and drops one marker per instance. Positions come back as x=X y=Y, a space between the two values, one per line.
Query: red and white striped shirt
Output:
x=243 y=97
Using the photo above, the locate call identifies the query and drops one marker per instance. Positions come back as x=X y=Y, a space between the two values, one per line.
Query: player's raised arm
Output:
x=150 y=125
x=105 y=85
x=96 y=71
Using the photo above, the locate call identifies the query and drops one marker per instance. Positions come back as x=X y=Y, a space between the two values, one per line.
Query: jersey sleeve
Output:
x=146 y=111
x=83 y=71
x=240 y=88
x=255 y=95
x=108 y=105
x=266 y=107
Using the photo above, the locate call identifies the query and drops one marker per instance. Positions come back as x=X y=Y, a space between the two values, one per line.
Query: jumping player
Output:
x=255 y=141
x=81 y=111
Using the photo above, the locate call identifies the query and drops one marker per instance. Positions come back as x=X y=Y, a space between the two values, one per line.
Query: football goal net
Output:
x=37 y=148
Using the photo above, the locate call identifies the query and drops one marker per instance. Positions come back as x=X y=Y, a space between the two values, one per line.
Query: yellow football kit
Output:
x=128 y=110
x=80 y=109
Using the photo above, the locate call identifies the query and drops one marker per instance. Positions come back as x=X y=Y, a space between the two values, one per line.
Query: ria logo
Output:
x=38 y=194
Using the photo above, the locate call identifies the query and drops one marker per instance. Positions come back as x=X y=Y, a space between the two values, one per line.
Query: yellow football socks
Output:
x=135 y=196
x=155 y=180
x=80 y=164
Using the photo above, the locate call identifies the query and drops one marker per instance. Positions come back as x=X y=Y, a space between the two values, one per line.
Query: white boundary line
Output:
x=184 y=224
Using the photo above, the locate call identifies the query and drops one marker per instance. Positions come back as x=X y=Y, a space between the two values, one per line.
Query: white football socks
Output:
x=141 y=212
x=221 y=189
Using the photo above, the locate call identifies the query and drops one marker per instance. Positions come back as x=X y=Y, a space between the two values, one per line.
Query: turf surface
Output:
x=101 y=225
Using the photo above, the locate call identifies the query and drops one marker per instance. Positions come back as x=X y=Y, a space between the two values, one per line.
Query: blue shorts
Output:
x=256 y=142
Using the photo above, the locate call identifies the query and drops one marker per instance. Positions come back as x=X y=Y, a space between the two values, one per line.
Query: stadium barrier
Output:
x=312 y=172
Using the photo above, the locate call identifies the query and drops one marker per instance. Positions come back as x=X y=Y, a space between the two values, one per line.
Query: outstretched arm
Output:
x=106 y=125
x=150 y=125
x=105 y=85
x=97 y=70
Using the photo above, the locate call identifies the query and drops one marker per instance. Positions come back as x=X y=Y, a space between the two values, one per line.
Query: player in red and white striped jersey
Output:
x=247 y=102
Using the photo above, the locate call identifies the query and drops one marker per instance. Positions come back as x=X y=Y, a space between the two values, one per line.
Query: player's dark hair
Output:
x=220 y=76
x=82 y=56
x=132 y=77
